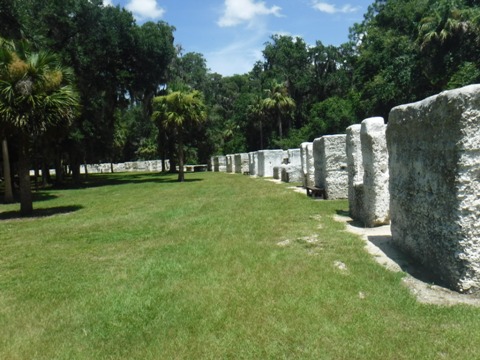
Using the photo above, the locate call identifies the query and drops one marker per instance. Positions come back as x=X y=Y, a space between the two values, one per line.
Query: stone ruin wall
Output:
x=130 y=166
x=308 y=170
x=434 y=148
x=330 y=161
x=230 y=161
x=241 y=163
x=220 y=163
x=253 y=163
x=267 y=160
x=292 y=171
x=355 y=171
x=376 y=195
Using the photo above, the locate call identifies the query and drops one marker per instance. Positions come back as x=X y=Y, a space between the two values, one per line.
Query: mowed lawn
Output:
x=138 y=266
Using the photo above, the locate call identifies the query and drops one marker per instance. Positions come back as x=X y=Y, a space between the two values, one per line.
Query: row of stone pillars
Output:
x=420 y=173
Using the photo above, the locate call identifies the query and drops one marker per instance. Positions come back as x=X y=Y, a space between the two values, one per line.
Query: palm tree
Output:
x=446 y=20
x=179 y=111
x=279 y=104
x=6 y=173
x=35 y=94
x=257 y=113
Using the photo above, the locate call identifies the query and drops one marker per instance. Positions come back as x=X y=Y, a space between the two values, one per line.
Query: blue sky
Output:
x=231 y=34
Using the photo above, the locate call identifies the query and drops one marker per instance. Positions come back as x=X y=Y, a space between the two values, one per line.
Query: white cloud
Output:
x=333 y=9
x=241 y=11
x=145 y=9
x=107 y=3
x=238 y=56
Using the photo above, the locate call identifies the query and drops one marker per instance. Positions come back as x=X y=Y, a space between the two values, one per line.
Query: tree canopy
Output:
x=402 y=51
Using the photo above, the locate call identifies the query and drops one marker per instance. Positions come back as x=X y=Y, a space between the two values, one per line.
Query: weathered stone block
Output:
x=376 y=196
x=294 y=157
x=277 y=172
x=220 y=164
x=291 y=173
x=241 y=163
x=434 y=149
x=253 y=162
x=355 y=171
x=267 y=160
x=230 y=162
x=308 y=166
x=330 y=160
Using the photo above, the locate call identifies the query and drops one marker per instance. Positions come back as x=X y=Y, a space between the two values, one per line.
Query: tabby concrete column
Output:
x=267 y=160
x=355 y=171
x=376 y=197
x=253 y=163
x=434 y=148
x=220 y=163
x=330 y=159
x=241 y=163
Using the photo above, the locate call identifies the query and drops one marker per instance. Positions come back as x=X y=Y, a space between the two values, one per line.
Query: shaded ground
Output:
x=378 y=243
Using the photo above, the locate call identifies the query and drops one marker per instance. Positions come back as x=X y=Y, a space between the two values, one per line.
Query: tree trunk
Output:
x=59 y=170
x=280 y=129
x=45 y=172
x=26 y=202
x=261 y=135
x=75 y=169
x=181 y=173
x=7 y=173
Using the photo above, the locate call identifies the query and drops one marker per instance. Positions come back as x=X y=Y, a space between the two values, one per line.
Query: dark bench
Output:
x=315 y=192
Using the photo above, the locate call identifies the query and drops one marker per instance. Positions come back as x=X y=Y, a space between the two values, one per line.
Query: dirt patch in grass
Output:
x=378 y=243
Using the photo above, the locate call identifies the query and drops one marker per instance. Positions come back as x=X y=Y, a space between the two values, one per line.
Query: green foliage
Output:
x=468 y=73
x=331 y=116
x=36 y=94
x=179 y=113
x=403 y=51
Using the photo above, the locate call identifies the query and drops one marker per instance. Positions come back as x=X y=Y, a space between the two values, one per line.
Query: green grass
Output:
x=137 y=266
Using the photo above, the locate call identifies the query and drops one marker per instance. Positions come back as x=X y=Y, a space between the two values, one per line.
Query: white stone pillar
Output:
x=434 y=148
x=355 y=171
x=267 y=160
x=220 y=163
x=376 y=197
x=253 y=163
x=230 y=161
x=241 y=163
x=330 y=161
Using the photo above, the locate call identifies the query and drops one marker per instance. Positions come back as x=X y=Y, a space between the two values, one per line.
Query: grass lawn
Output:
x=138 y=266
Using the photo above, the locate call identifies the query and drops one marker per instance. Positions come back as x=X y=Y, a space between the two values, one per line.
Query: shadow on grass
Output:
x=40 y=213
x=37 y=196
x=406 y=262
x=98 y=180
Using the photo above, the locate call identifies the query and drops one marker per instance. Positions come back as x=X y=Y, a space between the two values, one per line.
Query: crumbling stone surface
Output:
x=211 y=163
x=376 y=196
x=267 y=160
x=434 y=149
x=253 y=162
x=220 y=164
x=130 y=166
x=241 y=163
x=291 y=173
x=330 y=160
x=230 y=162
x=308 y=168
x=355 y=171
x=277 y=171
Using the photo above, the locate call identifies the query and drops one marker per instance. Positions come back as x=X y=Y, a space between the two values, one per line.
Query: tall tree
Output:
x=179 y=111
x=279 y=105
x=35 y=94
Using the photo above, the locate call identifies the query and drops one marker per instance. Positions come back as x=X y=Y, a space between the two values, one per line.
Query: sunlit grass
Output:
x=138 y=266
